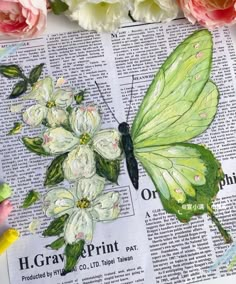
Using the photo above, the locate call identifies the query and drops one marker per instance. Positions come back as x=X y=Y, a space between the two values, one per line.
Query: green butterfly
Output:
x=179 y=105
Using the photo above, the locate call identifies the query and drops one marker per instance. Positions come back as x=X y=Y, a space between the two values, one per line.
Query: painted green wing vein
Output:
x=174 y=90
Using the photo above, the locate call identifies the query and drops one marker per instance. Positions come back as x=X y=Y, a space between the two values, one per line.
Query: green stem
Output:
x=224 y=233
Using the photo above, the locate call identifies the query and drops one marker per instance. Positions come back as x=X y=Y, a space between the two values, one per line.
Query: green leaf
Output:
x=107 y=169
x=5 y=191
x=35 y=73
x=55 y=174
x=57 y=244
x=16 y=128
x=19 y=89
x=30 y=199
x=72 y=253
x=79 y=97
x=11 y=71
x=34 y=145
x=56 y=227
x=58 y=6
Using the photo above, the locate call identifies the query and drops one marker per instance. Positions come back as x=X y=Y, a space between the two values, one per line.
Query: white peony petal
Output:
x=102 y=16
x=155 y=10
x=41 y=91
x=106 y=143
x=58 y=141
x=57 y=117
x=79 y=227
x=85 y=120
x=63 y=98
x=90 y=188
x=80 y=163
x=34 y=115
x=58 y=202
x=106 y=207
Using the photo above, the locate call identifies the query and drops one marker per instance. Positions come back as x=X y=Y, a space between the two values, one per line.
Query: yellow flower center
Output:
x=84 y=138
x=83 y=203
x=50 y=104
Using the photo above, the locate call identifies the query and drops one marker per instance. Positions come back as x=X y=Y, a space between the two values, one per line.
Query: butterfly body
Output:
x=127 y=145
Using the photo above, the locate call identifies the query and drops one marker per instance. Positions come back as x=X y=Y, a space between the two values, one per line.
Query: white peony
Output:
x=155 y=10
x=86 y=204
x=101 y=16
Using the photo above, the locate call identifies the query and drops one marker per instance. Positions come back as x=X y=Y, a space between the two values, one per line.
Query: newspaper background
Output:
x=181 y=253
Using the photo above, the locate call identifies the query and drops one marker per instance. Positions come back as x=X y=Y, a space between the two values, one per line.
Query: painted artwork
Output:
x=179 y=105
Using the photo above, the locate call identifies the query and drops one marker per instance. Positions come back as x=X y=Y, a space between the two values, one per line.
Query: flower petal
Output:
x=34 y=115
x=90 y=188
x=79 y=227
x=85 y=120
x=58 y=202
x=80 y=163
x=106 y=143
x=41 y=91
x=63 y=98
x=58 y=141
x=57 y=117
x=106 y=207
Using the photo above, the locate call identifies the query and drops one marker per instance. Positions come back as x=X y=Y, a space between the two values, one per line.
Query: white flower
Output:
x=80 y=162
x=85 y=204
x=98 y=15
x=51 y=104
x=155 y=10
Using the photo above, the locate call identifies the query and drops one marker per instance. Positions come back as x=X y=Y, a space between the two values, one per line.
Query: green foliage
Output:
x=79 y=97
x=11 y=71
x=19 y=89
x=30 y=199
x=56 y=227
x=107 y=168
x=58 y=6
x=57 y=244
x=35 y=73
x=55 y=174
x=16 y=128
x=34 y=144
x=72 y=253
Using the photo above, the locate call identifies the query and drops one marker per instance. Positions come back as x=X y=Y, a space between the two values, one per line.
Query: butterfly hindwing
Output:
x=185 y=175
x=174 y=90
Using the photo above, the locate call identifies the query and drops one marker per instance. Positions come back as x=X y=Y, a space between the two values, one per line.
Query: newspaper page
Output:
x=145 y=245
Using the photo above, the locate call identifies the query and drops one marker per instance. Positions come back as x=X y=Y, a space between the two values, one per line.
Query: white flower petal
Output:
x=58 y=141
x=57 y=117
x=58 y=202
x=106 y=143
x=106 y=207
x=85 y=120
x=16 y=108
x=100 y=15
x=79 y=227
x=34 y=115
x=90 y=188
x=63 y=98
x=80 y=163
x=155 y=10
x=41 y=91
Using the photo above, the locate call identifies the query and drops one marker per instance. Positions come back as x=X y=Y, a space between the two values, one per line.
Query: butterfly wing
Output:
x=185 y=175
x=174 y=91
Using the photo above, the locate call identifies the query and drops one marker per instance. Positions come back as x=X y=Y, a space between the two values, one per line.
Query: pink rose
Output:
x=5 y=210
x=209 y=13
x=23 y=18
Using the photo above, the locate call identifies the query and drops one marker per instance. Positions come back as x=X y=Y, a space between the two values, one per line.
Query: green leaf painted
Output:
x=16 y=128
x=72 y=253
x=30 y=199
x=11 y=71
x=34 y=144
x=107 y=169
x=79 y=97
x=55 y=174
x=35 y=73
x=57 y=244
x=58 y=6
x=19 y=89
x=56 y=227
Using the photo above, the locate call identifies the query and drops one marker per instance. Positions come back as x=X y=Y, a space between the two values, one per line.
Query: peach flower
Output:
x=209 y=13
x=23 y=18
x=5 y=210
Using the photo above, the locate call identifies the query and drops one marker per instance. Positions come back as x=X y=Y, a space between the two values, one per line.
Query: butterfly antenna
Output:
x=131 y=98
x=106 y=103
